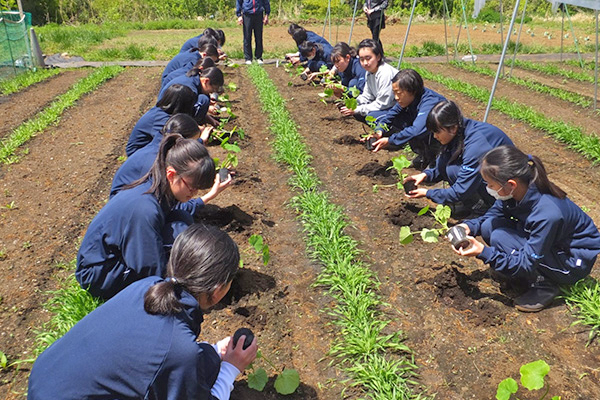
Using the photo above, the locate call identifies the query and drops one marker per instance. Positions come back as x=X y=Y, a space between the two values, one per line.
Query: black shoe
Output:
x=540 y=295
x=459 y=210
x=418 y=163
x=478 y=209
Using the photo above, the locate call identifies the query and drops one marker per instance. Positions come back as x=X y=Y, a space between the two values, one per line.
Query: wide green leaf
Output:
x=506 y=388
x=351 y=103
x=258 y=379
x=430 y=235
x=423 y=210
x=287 y=382
x=532 y=374
x=256 y=241
x=399 y=163
x=406 y=235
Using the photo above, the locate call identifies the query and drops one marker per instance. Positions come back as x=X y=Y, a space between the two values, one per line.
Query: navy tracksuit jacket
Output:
x=354 y=75
x=148 y=127
x=190 y=44
x=463 y=173
x=119 y=351
x=410 y=121
x=541 y=234
x=179 y=61
x=193 y=82
x=322 y=57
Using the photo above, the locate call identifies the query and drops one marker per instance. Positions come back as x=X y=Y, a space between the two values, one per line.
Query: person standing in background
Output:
x=375 y=17
x=252 y=14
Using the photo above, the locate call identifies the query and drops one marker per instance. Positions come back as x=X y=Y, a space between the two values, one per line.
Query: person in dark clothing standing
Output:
x=375 y=17
x=252 y=14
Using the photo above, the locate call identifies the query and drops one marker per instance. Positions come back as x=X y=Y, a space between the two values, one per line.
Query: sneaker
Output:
x=259 y=61
x=418 y=163
x=248 y=62
x=540 y=295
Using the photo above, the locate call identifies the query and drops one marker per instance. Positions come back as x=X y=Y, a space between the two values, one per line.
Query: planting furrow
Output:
x=461 y=325
x=18 y=107
x=51 y=114
x=554 y=70
x=368 y=353
x=569 y=128
x=52 y=195
x=24 y=80
x=532 y=82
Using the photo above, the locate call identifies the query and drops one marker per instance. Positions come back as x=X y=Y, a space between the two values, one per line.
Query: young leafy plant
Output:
x=441 y=215
x=399 y=164
x=260 y=247
x=231 y=160
x=532 y=378
x=286 y=382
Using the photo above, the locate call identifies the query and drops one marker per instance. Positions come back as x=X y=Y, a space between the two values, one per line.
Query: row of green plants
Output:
x=583 y=297
x=586 y=144
x=554 y=70
x=51 y=114
x=376 y=361
x=531 y=84
x=24 y=80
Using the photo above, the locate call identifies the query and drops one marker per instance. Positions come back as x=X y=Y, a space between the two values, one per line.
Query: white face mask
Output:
x=494 y=193
x=312 y=57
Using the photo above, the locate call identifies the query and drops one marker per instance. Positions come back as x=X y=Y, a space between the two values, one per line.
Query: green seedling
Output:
x=231 y=87
x=399 y=164
x=583 y=298
x=230 y=161
x=260 y=247
x=286 y=382
x=10 y=206
x=532 y=378
x=3 y=254
x=441 y=215
x=27 y=245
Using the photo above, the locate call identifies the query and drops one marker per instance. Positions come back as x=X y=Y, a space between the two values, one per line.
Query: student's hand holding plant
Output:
x=205 y=133
x=381 y=143
x=475 y=248
x=415 y=180
x=217 y=188
x=347 y=112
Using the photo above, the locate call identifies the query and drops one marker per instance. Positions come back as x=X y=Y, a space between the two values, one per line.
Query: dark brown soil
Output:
x=460 y=323
x=23 y=105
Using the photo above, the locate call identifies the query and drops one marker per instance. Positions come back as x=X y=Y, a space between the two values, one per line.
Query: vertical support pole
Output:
x=512 y=64
x=352 y=24
x=596 y=72
x=446 y=29
x=462 y=3
x=412 y=13
x=562 y=31
x=512 y=22
x=574 y=37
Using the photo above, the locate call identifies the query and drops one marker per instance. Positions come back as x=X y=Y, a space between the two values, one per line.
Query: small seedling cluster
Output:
x=441 y=216
x=532 y=378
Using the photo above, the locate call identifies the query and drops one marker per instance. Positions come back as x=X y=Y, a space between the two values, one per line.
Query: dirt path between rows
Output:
x=20 y=106
x=461 y=325
x=57 y=189
x=550 y=106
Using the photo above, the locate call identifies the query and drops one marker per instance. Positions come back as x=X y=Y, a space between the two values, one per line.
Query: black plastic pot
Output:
x=303 y=76
x=247 y=341
x=458 y=237
x=409 y=186
x=223 y=174
x=369 y=143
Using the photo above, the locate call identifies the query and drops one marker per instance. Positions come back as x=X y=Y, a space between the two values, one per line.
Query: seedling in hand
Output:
x=243 y=332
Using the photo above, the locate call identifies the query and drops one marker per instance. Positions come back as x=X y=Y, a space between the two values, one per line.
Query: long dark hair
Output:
x=209 y=49
x=298 y=33
x=374 y=46
x=203 y=258
x=508 y=162
x=188 y=157
x=341 y=50
x=178 y=99
x=306 y=47
x=446 y=114
x=205 y=40
x=182 y=124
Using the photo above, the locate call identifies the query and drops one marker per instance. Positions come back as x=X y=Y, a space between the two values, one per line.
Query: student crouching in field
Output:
x=204 y=79
x=186 y=61
x=377 y=98
x=301 y=35
x=347 y=65
x=217 y=34
x=533 y=232
x=142 y=344
x=125 y=241
x=464 y=143
x=317 y=56
x=406 y=121
x=176 y=99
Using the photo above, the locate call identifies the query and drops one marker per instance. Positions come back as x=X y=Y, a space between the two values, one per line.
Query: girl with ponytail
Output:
x=143 y=342
x=534 y=233
x=464 y=142
x=126 y=241
x=204 y=78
